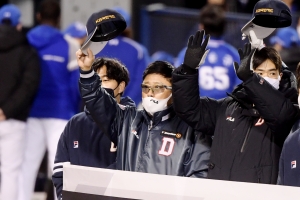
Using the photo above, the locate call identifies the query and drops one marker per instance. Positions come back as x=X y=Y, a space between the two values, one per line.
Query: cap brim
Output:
x=260 y=31
x=95 y=47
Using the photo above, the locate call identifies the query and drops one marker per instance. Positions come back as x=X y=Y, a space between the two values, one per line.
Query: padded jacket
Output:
x=242 y=150
x=162 y=144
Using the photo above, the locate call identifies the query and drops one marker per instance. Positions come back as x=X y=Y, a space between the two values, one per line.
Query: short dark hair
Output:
x=50 y=10
x=115 y=69
x=265 y=53
x=160 y=67
x=212 y=17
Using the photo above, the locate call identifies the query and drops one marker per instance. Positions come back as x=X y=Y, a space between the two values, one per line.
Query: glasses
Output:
x=156 y=89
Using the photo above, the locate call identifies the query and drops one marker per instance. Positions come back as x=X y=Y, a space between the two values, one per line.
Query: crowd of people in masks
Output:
x=237 y=138
x=188 y=126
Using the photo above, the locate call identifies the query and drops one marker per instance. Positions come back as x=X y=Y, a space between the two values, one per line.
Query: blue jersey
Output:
x=135 y=57
x=217 y=75
x=58 y=93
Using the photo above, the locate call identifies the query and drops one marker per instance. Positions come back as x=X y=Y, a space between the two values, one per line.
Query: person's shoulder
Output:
x=26 y=49
x=78 y=119
x=293 y=137
x=74 y=124
x=79 y=116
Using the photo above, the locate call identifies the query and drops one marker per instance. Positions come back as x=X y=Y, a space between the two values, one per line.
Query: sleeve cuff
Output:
x=86 y=74
x=186 y=70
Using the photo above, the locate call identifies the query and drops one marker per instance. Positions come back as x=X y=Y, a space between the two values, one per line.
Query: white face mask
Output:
x=153 y=105
x=274 y=82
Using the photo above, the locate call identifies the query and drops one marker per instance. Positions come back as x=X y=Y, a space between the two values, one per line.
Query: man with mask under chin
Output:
x=152 y=140
x=250 y=125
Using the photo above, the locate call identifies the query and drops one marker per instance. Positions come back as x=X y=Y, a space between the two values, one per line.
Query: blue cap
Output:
x=125 y=14
x=76 y=30
x=286 y=37
x=11 y=12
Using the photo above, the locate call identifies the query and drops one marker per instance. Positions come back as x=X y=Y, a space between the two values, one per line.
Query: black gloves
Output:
x=196 y=53
x=243 y=71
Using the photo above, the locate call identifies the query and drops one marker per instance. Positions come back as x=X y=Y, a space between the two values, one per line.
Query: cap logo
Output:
x=7 y=14
x=105 y=18
x=265 y=10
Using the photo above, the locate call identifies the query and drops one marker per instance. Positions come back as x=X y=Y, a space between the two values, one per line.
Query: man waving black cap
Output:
x=267 y=16
x=101 y=27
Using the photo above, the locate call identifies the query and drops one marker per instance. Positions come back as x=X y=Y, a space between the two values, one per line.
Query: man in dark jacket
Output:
x=20 y=73
x=248 y=127
x=152 y=140
x=82 y=142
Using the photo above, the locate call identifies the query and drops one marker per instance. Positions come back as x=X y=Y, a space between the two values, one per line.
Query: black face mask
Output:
x=111 y=91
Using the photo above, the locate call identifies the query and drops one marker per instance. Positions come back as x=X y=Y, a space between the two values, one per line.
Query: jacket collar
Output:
x=151 y=121
x=159 y=116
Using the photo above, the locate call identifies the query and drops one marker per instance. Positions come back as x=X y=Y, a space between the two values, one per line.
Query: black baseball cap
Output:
x=267 y=16
x=101 y=27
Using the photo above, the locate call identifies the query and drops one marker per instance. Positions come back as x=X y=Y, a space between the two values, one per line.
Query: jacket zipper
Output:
x=150 y=126
x=245 y=140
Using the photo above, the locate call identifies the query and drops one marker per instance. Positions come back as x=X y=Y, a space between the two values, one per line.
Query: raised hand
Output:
x=243 y=70
x=196 y=50
x=85 y=61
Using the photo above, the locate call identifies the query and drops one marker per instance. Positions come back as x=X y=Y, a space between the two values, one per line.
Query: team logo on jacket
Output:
x=76 y=144
x=261 y=81
x=113 y=148
x=293 y=164
x=167 y=146
x=172 y=135
x=231 y=119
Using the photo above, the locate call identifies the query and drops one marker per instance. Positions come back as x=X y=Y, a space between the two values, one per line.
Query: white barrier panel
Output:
x=114 y=184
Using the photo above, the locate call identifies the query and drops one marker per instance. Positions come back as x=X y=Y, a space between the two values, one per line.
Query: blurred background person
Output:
x=287 y=42
x=77 y=32
x=19 y=80
x=134 y=56
x=216 y=75
x=54 y=104
x=163 y=56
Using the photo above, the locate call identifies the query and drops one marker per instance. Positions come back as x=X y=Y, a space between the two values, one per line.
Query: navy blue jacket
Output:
x=83 y=143
x=289 y=164
x=162 y=144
